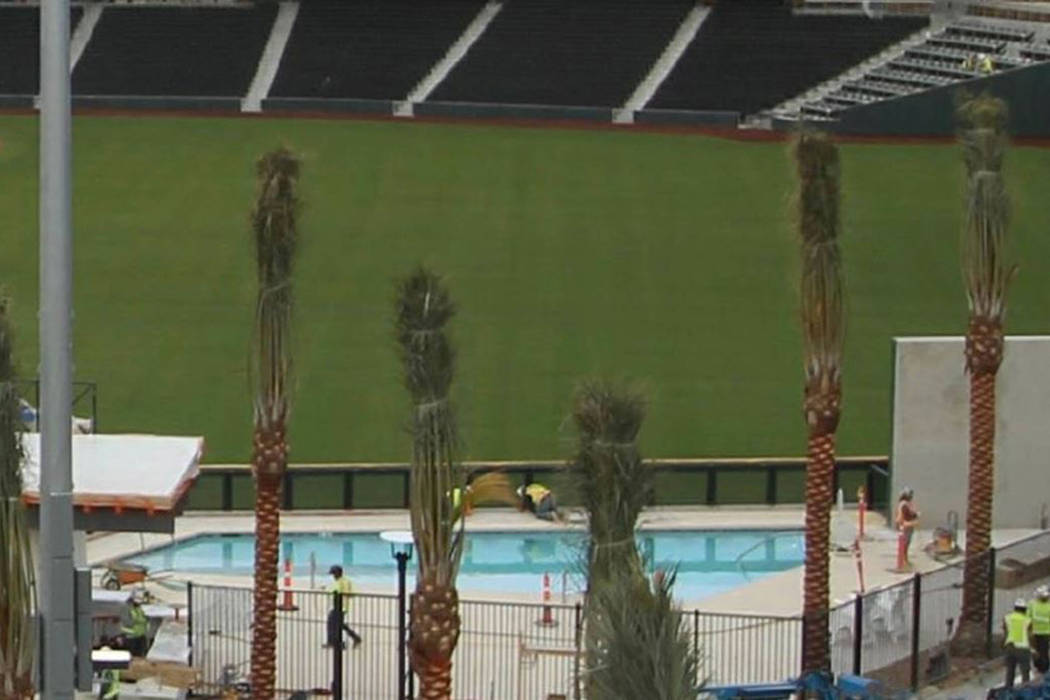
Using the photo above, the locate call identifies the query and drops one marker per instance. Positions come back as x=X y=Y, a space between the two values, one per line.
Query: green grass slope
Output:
x=668 y=259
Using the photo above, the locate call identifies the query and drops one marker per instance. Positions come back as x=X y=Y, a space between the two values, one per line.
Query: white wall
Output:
x=930 y=450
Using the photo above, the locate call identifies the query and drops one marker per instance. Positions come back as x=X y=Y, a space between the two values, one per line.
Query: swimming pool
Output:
x=709 y=562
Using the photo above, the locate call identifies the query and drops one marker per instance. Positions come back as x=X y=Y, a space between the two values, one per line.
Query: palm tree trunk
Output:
x=435 y=680
x=978 y=511
x=269 y=464
x=820 y=466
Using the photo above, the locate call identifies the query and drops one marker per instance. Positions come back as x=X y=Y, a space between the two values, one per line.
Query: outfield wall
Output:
x=931 y=429
x=932 y=112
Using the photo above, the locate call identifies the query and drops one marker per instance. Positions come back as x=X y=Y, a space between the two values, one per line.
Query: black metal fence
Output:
x=506 y=650
x=898 y=634
x=765 y=481
x=902 y=634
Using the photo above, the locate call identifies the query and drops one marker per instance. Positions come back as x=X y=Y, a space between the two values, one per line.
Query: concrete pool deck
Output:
x=777 y=594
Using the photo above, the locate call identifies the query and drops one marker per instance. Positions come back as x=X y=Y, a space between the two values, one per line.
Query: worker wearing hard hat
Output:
x=1017 y=627
x=1039 y=612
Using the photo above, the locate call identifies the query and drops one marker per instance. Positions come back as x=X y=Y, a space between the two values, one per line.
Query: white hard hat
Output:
x=1021 y=603
x=1043 y=592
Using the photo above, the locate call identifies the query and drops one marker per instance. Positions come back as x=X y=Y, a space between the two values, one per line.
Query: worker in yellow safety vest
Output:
x=135 y=632
x=110 y=686
x=1039 y=612
x=1017 y=627
x=538 y=500
x=336 y=622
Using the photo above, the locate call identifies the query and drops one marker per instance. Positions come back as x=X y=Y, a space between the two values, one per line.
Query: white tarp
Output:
x=122 y=471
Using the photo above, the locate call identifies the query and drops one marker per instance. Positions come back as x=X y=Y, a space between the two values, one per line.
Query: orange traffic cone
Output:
x=287 y=603
x=548 y=614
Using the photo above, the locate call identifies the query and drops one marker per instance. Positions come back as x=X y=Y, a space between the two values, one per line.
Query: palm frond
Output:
x=986 y=271
x=643 y=648
x=608 y=476
x=423 y=308
x=273 y=221
x=816 y=205
x=17 y=585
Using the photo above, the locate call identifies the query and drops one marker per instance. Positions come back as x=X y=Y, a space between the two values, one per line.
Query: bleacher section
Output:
x=20 y=48
x=174 y=51
x=552 y=52
x=368 y=49
x=752 y=54
x=953 y=54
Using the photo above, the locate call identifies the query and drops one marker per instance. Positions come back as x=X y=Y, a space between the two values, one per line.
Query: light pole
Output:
x=401 y=550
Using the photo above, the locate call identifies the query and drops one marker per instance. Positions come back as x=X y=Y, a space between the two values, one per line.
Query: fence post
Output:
x=858 y=633
x=337 y=645
x=189 y=620
x=916 y=623
x=989 y=626
x=696 y=642
x=578 y=619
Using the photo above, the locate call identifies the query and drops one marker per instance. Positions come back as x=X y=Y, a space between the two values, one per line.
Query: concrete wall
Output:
x=931 y=429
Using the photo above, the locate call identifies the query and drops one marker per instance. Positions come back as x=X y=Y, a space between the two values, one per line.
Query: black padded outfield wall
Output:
x=932 y=113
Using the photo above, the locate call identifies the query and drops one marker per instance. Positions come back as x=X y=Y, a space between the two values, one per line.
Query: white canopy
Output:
x=141 y=472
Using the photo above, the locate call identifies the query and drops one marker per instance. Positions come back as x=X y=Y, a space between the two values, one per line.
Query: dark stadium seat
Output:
x=20 y=48
x=368 y=49
x=197 y=51
x=552 y=52
x=751 y=55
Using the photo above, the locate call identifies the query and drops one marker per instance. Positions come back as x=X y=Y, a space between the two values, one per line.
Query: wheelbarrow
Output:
x=118 y=574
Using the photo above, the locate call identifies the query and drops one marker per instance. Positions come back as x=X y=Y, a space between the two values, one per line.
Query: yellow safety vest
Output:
x=139 y=623
x=457 y=497
x=1039 y=611
x=537 y=492
x=1017 y=624
x=111 y=684
x=342 y=585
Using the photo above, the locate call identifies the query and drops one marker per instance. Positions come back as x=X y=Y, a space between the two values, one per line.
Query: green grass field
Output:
x=667 y=259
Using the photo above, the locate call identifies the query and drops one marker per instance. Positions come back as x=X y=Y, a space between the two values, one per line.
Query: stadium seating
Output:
x=20 y=48
x=368 y=49
x=752 y=54
x=581 y=53
x=201 y=51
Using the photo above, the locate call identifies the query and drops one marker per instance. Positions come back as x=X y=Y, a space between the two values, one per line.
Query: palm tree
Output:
x=422 y=310
x=17 y=632
x=636 y=643
x=823 y=332
x=276 y=237
x=986 y=274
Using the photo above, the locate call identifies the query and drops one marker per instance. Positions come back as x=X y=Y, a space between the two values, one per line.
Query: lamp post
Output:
x=401 y=542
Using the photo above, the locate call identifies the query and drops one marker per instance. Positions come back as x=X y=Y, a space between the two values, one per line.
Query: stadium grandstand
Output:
x=751 y=63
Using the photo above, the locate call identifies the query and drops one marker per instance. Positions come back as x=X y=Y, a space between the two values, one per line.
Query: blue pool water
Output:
x=709 y=562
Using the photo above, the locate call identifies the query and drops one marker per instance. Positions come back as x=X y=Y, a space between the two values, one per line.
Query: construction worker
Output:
x=538 y=500
x=135 y=633
x=1039 y=612
x=1017 y=627
x=110 y=685
x=336 y=622
x=986 y=64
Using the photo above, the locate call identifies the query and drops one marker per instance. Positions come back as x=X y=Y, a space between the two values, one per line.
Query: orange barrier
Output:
x=548 y=615
x=862 y=507
x=287 y=603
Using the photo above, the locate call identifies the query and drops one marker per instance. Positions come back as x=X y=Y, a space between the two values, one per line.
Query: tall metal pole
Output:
x=402 y=564
x=56 y=401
